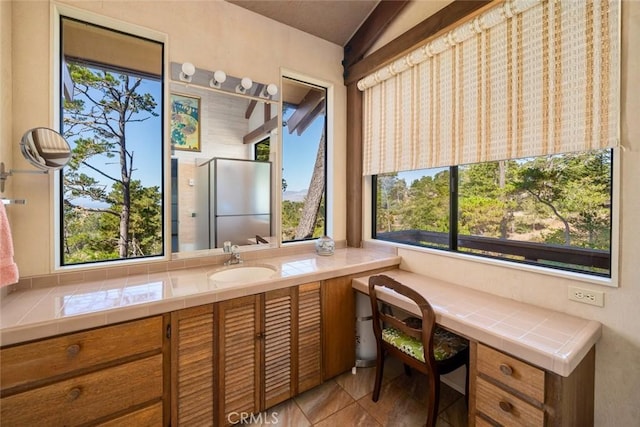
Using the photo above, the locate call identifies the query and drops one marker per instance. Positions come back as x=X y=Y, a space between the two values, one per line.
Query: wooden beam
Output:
x=430 y=27
x=267 y=112
x=354 y=166
x=254 y=102
x=308 y=104
x=309 y=118
x=371 y=30
x=260 y=130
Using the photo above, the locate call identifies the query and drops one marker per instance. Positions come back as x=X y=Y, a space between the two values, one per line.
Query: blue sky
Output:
x=299 y=153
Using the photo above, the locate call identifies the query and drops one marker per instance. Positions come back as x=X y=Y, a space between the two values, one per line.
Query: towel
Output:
x=8 y=267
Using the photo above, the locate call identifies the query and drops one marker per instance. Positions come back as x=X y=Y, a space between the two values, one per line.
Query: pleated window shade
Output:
x=524 y=78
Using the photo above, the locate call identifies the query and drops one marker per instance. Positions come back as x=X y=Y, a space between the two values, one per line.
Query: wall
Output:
x=618 y=352
x=210 y=34
x=5 y=90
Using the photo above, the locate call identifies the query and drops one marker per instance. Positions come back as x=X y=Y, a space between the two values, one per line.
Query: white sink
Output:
x=241 y=274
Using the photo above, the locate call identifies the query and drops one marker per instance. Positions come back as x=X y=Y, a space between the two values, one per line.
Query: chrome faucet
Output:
x=235 y=256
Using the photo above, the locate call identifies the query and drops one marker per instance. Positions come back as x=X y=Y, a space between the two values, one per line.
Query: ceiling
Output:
x=332 y=20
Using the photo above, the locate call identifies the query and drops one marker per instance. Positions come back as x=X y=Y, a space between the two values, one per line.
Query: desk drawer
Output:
x=87 y=397
x=505 y=408
x=25 y=363
x=511 y=372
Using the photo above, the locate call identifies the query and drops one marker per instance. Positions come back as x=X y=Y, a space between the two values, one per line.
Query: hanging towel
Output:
x=8 y=267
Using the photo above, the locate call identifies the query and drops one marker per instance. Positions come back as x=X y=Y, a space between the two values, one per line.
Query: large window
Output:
x=303 y=160
x=111 y=205
x=553 y=211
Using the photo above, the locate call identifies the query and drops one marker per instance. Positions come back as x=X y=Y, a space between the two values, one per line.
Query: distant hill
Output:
x=295 y=196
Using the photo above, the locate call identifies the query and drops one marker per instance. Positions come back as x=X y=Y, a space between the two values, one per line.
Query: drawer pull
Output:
x=73 y=350
x=506 y=369
x=506 y=406
x=74 y=393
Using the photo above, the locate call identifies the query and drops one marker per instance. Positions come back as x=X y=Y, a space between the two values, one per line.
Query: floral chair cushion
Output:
x=445 y=344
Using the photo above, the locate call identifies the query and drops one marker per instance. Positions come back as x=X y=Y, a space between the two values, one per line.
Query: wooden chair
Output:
x=418 y=343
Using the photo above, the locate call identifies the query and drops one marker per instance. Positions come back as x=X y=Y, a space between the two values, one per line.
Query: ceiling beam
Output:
x=306 y=107
x=309 y=118
x=253 y=103
x=430 y=27
x=370 y=30
x=261 y=130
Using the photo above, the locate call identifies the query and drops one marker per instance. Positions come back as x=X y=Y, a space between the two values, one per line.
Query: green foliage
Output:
x=291 y=212
x=562 y=199
x=92 y=235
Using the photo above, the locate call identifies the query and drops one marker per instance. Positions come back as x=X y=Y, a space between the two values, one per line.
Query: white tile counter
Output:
x=552 y=340
x=41 y=312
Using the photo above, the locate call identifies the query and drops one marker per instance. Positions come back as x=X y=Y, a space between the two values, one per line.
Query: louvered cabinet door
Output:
x=278 y=346
x=192 y=366
x=309 y=337
x=239 y=351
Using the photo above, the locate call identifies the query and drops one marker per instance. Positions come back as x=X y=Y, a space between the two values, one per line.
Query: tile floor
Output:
x=346 y=401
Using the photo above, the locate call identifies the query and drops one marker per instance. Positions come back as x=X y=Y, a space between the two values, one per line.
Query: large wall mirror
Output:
x=221 y=177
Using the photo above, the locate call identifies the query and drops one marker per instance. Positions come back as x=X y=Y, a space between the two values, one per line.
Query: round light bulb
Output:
x=272 y=89
x=220 y=76
x=188 y=69
x=246 y=83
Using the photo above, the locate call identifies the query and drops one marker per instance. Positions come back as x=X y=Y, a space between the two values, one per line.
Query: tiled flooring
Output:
x=346 y=401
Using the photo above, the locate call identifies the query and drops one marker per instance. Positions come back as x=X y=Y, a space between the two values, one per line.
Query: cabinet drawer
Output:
x=151 y=416
x=505 y=408
x=511 y=372
x=39 y=360
x=87 y=397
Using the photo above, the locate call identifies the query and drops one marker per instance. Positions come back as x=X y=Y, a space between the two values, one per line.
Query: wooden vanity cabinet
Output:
x=192 y=366
x=507 y=391
x=269 y=349
x=239 y=336
x=309 y=337
x=102 y=376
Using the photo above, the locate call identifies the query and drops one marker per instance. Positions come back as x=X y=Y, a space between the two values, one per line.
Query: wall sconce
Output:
x=219 y=77
x=188 y=70
x=269 y=91
x=244 y=86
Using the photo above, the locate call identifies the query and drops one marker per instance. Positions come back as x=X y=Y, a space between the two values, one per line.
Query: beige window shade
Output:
x=104 y=46
x=525 y=78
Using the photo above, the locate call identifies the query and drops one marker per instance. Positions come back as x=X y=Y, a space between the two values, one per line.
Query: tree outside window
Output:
x=111 y=195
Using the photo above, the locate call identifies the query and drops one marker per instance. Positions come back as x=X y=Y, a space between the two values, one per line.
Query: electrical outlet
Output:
x=586 y=296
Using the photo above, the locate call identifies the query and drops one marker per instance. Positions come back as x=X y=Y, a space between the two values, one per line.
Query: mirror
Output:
x=45 y=148
x=221 y=183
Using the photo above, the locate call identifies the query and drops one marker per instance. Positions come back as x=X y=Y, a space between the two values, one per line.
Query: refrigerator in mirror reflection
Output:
x=241 y=202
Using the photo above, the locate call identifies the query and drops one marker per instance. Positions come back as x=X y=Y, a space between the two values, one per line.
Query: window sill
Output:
x=570 y=275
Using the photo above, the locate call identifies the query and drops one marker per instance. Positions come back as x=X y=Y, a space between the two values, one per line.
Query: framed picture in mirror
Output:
x=185 y=122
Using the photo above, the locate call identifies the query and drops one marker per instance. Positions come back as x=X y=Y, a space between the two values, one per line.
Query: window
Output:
x=111 y=198
x=553 y=211
x=303 y=160
x=261 y=150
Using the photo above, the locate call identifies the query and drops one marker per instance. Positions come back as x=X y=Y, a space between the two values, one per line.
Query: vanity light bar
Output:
x=230 y=84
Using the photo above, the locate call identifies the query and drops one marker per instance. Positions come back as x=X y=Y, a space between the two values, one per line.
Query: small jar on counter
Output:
x=325 y=246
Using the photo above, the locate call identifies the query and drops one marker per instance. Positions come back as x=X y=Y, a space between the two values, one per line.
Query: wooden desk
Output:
x=528 y=364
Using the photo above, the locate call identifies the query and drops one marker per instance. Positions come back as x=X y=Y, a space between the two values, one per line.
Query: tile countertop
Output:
x=47 y=311
x=549 y=339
